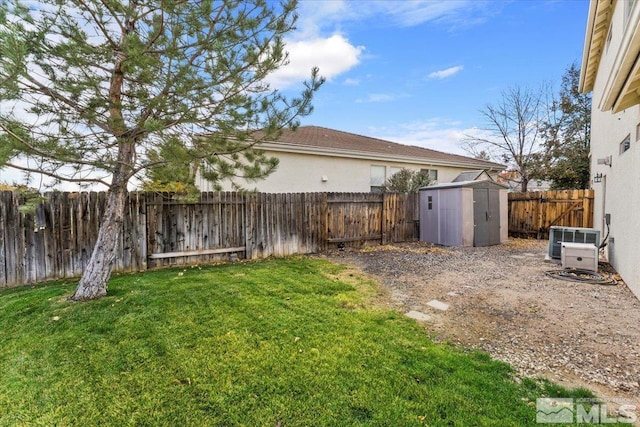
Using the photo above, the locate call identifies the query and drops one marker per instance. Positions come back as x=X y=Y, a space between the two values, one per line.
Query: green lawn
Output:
x=293 y=342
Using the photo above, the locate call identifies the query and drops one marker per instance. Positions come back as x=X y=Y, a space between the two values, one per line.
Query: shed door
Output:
x=486 y=217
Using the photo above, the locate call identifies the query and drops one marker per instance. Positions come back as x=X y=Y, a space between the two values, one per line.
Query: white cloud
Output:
x=351 y=82
x=376 y=97
x=333 y=56
x=382 y=97
x=436 y=133
x=443 y=74
x=315 y=14
x=417 y=12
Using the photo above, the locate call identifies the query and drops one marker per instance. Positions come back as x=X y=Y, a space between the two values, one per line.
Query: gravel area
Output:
x=501 y=301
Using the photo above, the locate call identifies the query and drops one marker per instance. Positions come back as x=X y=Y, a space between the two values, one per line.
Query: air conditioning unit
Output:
x=558 y=235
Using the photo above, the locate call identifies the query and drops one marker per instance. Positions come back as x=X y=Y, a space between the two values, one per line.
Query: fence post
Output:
x=4 y=196
x=143 y=254
x=384 y=217
x=539 y=216
x=587 y=209
x=323 y=219
x=250 y=209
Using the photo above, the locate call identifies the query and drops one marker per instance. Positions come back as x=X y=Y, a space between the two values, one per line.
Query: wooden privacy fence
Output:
x=57 y=239
x=531 y=214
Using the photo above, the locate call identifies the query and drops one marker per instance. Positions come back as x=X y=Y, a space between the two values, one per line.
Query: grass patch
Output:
x=292 y=342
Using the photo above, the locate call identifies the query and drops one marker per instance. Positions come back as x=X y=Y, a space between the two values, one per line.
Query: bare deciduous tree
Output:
x=513 y=132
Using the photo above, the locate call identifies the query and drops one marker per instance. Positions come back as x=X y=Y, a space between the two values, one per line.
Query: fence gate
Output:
x=358 y=219
x=354 y=218
x=531 y=214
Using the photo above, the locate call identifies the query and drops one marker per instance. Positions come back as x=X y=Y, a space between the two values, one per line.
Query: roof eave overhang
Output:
x=623 y=87
x=598 y=22
x=363 y=155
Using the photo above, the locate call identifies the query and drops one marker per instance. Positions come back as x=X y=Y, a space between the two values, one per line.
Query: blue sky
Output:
x=418 y=72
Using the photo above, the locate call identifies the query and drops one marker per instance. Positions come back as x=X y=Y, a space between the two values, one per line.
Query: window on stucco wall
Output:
x=432 y=174
x=393 y=170
x=378 y=176
x=625 y=144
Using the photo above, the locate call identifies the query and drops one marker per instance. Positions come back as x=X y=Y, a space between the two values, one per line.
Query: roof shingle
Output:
x=316 y=136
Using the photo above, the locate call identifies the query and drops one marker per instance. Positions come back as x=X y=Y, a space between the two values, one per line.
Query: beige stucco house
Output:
x=317 y=159
x=611 y=71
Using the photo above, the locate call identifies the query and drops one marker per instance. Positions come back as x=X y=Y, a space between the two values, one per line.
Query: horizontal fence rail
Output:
x=531 y=214
x=159 y=229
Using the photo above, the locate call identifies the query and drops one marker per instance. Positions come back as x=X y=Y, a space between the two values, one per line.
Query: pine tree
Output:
x=567 y=135
x=90 y=89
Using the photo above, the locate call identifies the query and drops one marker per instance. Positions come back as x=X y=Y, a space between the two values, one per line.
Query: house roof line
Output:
x=324 y=141
x=308 y=149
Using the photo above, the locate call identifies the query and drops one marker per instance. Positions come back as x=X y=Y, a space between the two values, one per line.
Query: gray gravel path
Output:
x=501 y=301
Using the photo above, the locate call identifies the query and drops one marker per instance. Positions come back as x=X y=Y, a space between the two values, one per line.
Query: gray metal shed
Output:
x=468 y=213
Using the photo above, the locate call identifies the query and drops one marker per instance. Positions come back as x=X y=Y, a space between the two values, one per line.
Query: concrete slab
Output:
x=438 y=305
x=417 y=315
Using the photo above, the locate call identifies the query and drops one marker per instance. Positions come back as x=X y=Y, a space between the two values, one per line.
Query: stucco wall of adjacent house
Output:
x=299 y=173
x=618 y=193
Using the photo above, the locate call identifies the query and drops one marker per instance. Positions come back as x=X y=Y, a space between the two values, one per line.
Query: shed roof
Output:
x=471 y=175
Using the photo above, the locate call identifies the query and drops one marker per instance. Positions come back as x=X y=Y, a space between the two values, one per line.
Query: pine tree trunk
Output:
x=95 y=277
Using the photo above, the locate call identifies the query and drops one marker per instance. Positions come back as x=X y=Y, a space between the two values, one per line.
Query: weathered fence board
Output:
x=354 y=218
x=4 y=197
x=160 y=229
x=533 y=213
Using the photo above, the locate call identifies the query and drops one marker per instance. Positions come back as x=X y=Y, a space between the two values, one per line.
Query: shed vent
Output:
x=558 y=235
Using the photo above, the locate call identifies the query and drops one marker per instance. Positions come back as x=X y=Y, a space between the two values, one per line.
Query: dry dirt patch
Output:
x=501 y=301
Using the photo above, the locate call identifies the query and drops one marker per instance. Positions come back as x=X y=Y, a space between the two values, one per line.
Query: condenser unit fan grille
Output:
x=558 y=235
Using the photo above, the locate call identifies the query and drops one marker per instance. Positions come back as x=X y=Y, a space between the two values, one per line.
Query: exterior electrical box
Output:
x=582 y=256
